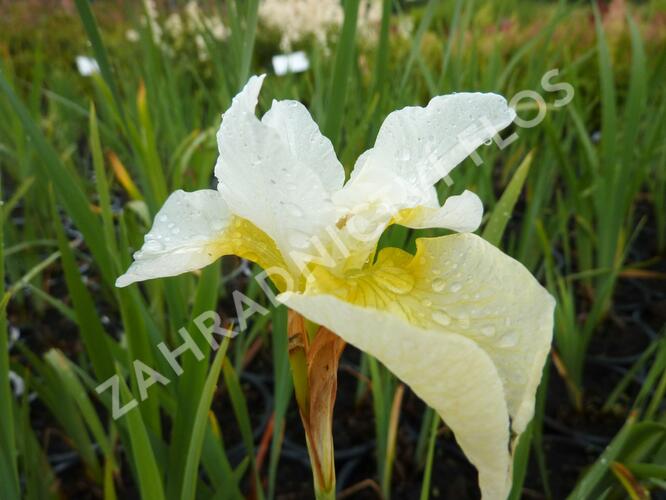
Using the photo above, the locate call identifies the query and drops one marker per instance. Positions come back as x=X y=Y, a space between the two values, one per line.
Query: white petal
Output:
x=183 y=238
x=423 y=145
x=296 y=128
x=266 y=174
x=449 y=372
x=462 y=213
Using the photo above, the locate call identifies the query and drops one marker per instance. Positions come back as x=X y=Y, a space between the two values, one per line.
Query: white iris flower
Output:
x=467 y=327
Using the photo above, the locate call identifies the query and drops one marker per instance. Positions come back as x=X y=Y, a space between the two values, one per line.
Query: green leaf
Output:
x=9 y=485
x=193 y=451
x=148 y=473
x=344 y=58
x=504 y=208
x=66 y=185
x=239 y=404
x=90 y=326
x=90 y=25
x=283 y=390
x=73 y=386
x=427 y=473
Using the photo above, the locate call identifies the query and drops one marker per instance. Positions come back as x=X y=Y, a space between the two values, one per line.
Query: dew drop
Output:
x=152 y=246
x=163 y=218
x=456 y=287
x=441 y=318
x=438 y=284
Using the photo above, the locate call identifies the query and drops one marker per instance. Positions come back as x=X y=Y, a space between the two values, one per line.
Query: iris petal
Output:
x=278 y=172
x=448 y=371
x=194 y=229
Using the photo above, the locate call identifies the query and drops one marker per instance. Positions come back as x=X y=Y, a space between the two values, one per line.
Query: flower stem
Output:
x=314 y=366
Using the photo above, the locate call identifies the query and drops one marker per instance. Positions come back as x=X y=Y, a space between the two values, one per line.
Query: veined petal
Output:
x=423 y=145
x=461 y=213
x=194 y=229
x=464 y=285
x=278 y=173
x=448 y=371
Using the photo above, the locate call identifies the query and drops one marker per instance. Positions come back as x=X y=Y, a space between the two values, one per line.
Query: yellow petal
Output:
x=464 y=285
x=448 y=371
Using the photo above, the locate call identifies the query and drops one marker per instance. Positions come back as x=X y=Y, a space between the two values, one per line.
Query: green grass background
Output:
x=86 y=163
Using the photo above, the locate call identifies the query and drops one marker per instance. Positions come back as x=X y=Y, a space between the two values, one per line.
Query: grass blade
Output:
x=90 y=326
x=67 y=187
x=502 y=212
x=9 y=485
x=427 y=473
x=193 y=452
x=344 y=58
x=90 y=25
x=148 y=474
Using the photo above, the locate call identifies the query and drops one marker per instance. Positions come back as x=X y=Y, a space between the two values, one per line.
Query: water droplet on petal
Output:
x=456 y=287
x=152 y=246
x=441 y=318
x=163 y=218
x=438 y=284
